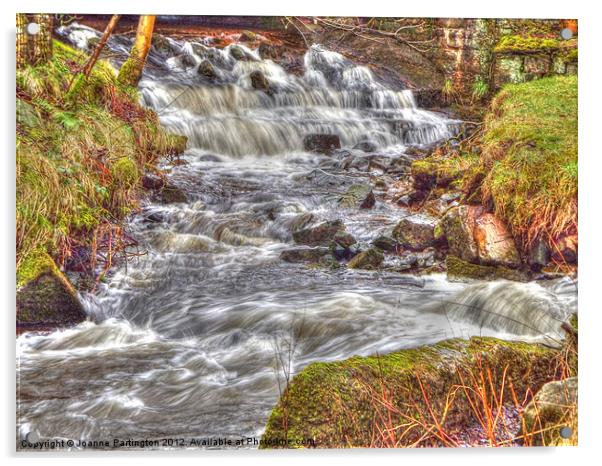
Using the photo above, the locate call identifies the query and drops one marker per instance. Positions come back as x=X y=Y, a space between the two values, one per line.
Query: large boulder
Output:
x=415 y=232
x=495 y=244
x=412 y=382
x=386 y=243
x=358 y=196
x=322 y=143
x=319 y=235
x=44 y=295
x=458 y=226
x=551 y=412
x=370 y=259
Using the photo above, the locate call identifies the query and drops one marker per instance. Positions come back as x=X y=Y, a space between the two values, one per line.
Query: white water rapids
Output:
x=181 y=343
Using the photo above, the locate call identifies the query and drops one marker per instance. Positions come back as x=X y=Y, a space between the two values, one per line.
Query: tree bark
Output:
x=101 y=44
x=131 y=71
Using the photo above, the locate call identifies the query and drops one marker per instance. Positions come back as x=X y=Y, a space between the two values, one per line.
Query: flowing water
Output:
x=183 y=341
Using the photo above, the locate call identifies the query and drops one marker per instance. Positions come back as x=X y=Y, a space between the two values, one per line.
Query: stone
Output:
x=415 y=232
x=154 y=182
x=45 y=297
x=171 y=194
x=458 y=269
x=566 y=249
x=185 y=61
x=238 y=53
x=366 y=146
x=458 y=225
x=322 y=143
x=207 y=70
x=248 y=36
x=385 y=243
x=344 y=239
x=260 y=83
x=319 y=235
x=553 y=407
x=358 y=196
x=369 y=260
x=539 y=255
x=495 y=244
x=304 y=254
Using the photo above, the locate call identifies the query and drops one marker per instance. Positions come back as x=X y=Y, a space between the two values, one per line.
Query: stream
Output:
x=183 y=341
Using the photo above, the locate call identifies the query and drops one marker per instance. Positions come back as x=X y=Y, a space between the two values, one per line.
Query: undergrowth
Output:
x=82 y=146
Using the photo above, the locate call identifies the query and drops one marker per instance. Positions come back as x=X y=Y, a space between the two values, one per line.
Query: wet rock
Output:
x=458 y=269
x=154 y=217
x=299 y=221
x=358 y=196
x=426 y=258
x=418 y=197
x=45 y=296
x=385 y=243
x=415 y=232
x=553 y=407
x=566 y=249
x=539 y=255
x=369 y=260
x=344 y=239
x=185 y=61
x=321 y=143
x=171 y=194
x=238 y=53
x=260 y=83
x=458 y=225
x=495 y=244
x=270 y=51
x=161 y=44
x=154 y=182
x=319 y=235
x=207 y=70
x=436 y=207
x=366 y=146
x=304 y=254
x=210 y=158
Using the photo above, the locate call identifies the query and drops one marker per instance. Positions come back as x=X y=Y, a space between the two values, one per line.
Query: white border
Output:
x=590 y=174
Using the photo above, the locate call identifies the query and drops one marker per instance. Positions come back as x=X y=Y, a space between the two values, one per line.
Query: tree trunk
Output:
x=101 y=44
x=131 y=71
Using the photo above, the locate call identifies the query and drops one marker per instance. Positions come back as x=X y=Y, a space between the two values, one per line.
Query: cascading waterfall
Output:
x=182 y=342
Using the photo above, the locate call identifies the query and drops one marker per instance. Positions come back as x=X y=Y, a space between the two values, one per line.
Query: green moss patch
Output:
x=345 y=403
x=517 y=44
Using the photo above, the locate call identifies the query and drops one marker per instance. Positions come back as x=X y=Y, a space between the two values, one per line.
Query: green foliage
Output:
x=79 y=157
x=526 y=44
x=530 y=156
x=480 y=88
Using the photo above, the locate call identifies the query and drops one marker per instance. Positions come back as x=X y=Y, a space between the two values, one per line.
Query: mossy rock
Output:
x=370 y=259
x=319 y=235
x=458 y=269
x=171 y=194
x=415 y=232
x=44 y=295
x=337 y=403
x=553 y=408
x=358 y=196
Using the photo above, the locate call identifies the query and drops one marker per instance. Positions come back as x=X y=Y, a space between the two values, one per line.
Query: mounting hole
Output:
x=566 y=34
x=33 y=29
x=566 y=432
x=32 y=437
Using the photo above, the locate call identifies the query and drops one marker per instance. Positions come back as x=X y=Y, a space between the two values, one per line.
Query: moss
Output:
x=517 y=44
x=334 y=403
x=448 y=169
x=458 y=269
x=125 y=172
x=35 y=264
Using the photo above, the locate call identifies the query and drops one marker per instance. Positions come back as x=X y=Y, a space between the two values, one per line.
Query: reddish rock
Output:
x=495 y=244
